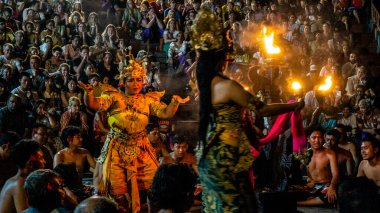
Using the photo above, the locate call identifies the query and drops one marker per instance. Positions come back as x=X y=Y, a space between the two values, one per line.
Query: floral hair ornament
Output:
x=133 y=69
x=207 y=31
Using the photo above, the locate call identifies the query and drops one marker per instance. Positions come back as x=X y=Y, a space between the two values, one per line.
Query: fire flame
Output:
x=296 y=85
x=327 y=85
x=268 y=41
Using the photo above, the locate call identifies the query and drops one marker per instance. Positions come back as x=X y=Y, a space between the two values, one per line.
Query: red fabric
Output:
x=298 y=134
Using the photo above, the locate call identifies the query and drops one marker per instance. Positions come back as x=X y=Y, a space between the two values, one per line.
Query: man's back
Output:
x=345 y=162
x=12 y=196
x=8 y=169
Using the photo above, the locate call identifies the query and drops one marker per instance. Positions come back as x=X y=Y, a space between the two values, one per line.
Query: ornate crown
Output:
x=133 y=69
x=207 y=31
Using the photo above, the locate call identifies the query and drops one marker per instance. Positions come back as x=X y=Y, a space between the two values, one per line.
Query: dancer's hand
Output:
x=301 y=105
x=86 y=87
x=181 y=100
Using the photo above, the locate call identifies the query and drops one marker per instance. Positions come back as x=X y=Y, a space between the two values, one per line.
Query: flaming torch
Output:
x=270 y=48
x=327 y=85
x=296 y=86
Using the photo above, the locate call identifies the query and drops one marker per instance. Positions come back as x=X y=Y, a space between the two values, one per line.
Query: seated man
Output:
x=7 y=167
x=346 y=143
x=357 y=195
x=39 y=134
x=44 y=191
x=322 y=171
x=344 y=157
x=180 y=154
x=172 y=189
x=74 y=153
x=370 y=165
x=28 y=157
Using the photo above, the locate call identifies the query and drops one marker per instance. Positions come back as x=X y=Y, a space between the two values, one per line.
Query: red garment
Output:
x=357 y=3
x=298 y=134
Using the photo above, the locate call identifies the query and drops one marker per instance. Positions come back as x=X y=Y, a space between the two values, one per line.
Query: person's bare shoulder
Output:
x=83 y=152
x=345 y=153
x=6 y=196
x=60 y=155
x=10 y=185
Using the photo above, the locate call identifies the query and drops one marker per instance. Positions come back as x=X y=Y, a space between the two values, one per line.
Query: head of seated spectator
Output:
x=96 y=204
x=364 y=106
x=27 y=154
x=172 y=189
x=94 y=79
x=14 y=103
x=370 y=147
x=358 y=195
x=6 y=72
x=69 y=174
x=44 y=191
x=7 y=141
x=179 y=147
x=69 y=134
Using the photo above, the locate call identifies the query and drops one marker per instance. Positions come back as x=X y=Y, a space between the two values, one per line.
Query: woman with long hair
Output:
x=224 y=149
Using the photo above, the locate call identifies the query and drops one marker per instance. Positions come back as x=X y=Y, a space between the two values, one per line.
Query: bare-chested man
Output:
x=347 y=145
x=370 y=165
x=28 y=157
x=322 y=172
x=73 y=153
x=344 y=157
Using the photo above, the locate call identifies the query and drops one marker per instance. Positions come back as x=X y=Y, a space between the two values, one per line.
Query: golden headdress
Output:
x=133 y=69
x=207 y=31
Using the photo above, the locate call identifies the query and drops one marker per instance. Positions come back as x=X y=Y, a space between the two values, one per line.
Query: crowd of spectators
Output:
x=48 y=46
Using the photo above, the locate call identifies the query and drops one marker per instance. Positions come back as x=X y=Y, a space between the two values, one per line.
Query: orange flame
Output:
x=327 y=85
x=296 y=85
x=268 y=41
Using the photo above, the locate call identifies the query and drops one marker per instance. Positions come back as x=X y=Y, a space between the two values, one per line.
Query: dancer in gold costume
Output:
x=127 y=160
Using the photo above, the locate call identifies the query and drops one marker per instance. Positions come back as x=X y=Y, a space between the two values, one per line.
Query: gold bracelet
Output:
x=174 y=101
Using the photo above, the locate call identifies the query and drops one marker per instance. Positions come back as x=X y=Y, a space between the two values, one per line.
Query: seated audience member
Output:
x=73 y=116
x=39 y=134
x=158 y=142
x=74 y=153
x=28 y=157
x=25 y=92
x=180 y=154
x=370 y=165
x=96 y=204
x=346 y=143
x=322 y=171
x=172 y=189
x=358 y=195
x=7 y=166
x=44 y=191
x=344 y=157
x=74 y=189
x=73 y=186
x=13 y=117
x=357 y=97
x=348 y=118
x=368 y=118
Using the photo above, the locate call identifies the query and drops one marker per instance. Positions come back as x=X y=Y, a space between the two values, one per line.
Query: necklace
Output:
x=130 y=102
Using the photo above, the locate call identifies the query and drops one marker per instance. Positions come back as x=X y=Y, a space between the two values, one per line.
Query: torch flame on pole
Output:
x=327 y=85
x=296 y=86
x=268 y=41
